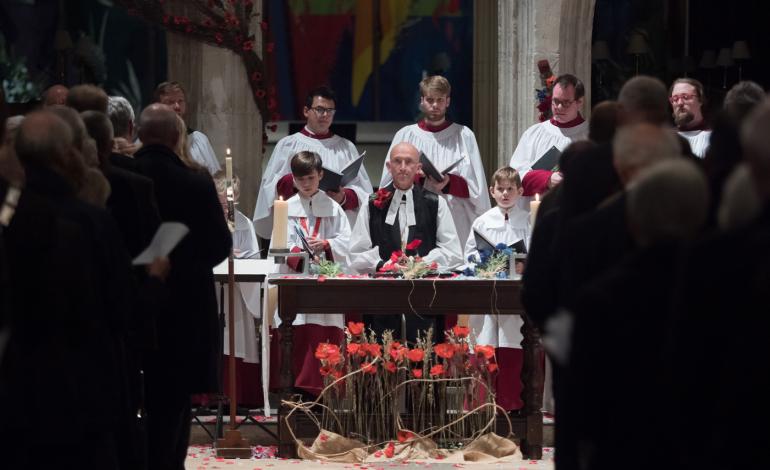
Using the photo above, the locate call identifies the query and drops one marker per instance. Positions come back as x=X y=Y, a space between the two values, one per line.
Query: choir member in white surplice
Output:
x=687 y=97
x=325 y=227
x=507 y=224
x=565 y=127
x=172 y=94
x=336 y=153
x=399 y=214
x=444 y=142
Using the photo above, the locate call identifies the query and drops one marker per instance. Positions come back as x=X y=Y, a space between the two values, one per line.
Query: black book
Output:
x=483 y=243
x=430 y=170
x=549 y=161
x=333 y=180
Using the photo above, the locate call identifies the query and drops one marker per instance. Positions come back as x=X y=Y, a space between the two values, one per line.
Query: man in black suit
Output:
x=188 y=329
x=132 y=199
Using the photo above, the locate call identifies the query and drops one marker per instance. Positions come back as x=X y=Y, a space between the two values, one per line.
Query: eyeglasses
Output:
x=684 y=97
x=321 y=111
x=562 y=103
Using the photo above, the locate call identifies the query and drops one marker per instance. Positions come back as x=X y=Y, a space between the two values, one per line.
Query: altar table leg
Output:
x=287 y=311
x=532 y=395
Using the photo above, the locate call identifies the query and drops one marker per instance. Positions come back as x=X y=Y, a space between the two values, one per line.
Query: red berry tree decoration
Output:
x=223 y=24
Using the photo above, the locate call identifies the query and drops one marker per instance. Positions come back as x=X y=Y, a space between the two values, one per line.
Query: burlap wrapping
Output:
x=331 y=447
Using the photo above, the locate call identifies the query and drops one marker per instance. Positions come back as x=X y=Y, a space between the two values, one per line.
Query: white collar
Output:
x=395 y=202
x=320 y=205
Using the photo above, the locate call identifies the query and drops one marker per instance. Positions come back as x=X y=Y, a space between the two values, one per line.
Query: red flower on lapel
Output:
x=381 y=198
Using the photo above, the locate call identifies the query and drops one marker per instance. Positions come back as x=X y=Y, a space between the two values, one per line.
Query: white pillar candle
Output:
x=534 y=205
x=280 y=223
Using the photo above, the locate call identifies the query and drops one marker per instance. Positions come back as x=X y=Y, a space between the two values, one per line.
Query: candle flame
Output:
x=280 y=198
x=228 y=151
x=537 y=196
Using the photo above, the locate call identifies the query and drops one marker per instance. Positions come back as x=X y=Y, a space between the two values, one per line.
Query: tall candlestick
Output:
x=229 y=166
x=533 y=207
x=280 y=223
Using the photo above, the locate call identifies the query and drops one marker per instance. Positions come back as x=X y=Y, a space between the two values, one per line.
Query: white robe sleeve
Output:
x=362 y=256
x=470 y=245
x=522 y=158
x=448 y=253
x=202 y=152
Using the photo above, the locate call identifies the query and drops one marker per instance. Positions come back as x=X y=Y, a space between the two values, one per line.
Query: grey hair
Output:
x=121 y=114
x=639 y=146
x=668 y=202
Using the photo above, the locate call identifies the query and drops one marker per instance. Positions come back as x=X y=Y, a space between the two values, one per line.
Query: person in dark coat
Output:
x=719 y=345
x=187 y=357
x=617 y=355
x=93 y=355
x=132 y=197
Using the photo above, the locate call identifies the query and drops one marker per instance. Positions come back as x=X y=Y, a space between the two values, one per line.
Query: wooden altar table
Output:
x=427 y=297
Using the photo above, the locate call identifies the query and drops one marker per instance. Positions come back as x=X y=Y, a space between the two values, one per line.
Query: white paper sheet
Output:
x=167 y=237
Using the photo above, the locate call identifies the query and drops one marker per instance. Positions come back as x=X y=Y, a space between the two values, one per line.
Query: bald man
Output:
x=188 y=332
x=57 y=94
x=397 y=215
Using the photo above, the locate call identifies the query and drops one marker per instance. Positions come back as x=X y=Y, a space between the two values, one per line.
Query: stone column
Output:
x=219 y=104
x=510 y=37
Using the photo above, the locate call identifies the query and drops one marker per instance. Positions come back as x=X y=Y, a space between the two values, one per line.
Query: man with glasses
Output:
x=565 y=127
x=687 y=99
x=445 y=143
x=336 y=153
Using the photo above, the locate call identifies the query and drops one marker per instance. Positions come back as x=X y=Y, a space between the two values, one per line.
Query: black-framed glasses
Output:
x=321 y=111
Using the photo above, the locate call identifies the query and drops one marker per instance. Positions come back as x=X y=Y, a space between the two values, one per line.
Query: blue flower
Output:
x=470 y=272
x=485 y=254
x=501 y=246
x=501 y=275
x=472 y=259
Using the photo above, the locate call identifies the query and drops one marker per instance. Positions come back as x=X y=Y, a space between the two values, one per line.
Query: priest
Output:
x=396 y=216
x=565 y=127
x=336 y=153
x=444 y=143
x=687 y=100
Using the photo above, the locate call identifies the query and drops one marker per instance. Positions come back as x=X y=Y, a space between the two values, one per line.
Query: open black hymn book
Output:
x=549 y=161
x=333 y=180
x=430 y=170
x=483 y=243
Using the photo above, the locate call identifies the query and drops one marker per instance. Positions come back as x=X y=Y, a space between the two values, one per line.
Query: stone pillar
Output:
x=219 y=104
x=510 y=37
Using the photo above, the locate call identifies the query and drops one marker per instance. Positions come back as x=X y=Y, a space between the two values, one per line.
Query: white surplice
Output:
x=444 y=148
x=202 y=152
x=699 y=141
x=333 y=226
x=363 y=257
x=335 y=152
x=503 y=331
x=536 y=141
x=248 y=305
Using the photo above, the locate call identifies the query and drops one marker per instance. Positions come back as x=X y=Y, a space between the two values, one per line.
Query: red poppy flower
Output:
x=353 y=348
x=460 y=331
x=491 y=367
x=396 y=351
x=375 y=350
x=390 y=367
x=417 y=373
x=438 y=369
x=369 y=368
x=404 y=436
x=484 y=351
x=248 y=45
x=355 y=328
x=414 y=244
x=390 y=450
x=381 y=198
x=415 y=355
x=444 y=350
